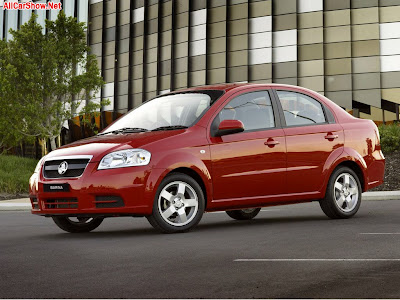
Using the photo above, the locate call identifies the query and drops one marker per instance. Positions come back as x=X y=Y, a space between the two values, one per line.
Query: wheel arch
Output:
x=192 y=173
x=201 y=176
x=356 y=168
x=351 y=159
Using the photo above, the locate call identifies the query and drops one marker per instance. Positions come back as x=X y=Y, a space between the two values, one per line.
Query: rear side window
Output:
x=253 y=109
x=300 y=109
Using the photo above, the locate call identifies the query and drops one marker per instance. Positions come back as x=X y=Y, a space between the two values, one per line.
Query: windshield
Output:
x=170 y=111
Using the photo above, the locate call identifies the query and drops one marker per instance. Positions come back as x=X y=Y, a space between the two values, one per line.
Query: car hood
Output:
x=98 y=146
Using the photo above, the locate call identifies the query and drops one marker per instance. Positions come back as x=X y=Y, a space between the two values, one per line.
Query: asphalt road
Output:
x=126 y=258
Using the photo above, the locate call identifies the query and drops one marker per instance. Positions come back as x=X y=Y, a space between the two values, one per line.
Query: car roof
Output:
x=235 y=86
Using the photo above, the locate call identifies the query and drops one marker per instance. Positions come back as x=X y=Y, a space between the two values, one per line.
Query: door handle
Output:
x=271 y=143
x=331 y=136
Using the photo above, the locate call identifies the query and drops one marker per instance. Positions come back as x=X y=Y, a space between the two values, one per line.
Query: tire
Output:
x=178 y=205
x=243 y=214
x=77 y=226
x=343 y=194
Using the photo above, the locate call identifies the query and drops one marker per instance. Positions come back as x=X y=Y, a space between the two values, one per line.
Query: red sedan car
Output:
x=234 y=147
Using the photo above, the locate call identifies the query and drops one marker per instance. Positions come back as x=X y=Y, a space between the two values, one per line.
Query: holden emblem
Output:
x=62 y=168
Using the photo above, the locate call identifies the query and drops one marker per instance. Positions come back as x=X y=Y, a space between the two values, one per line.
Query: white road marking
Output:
x=372 y=233
x=313 y=259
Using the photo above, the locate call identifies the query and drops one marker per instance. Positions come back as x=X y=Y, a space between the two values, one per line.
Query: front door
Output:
x=250 y=165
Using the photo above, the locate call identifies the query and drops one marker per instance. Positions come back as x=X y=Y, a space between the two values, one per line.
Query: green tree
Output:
x=9 y=137
x=48 y=77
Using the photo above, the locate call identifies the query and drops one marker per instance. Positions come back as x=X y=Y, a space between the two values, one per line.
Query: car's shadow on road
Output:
x=108 y=234
x=258 y=222
x=209 y=226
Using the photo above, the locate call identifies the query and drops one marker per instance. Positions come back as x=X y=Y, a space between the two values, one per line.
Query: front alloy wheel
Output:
x=179 y=204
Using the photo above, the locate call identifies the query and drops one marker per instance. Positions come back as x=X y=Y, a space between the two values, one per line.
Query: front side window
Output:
x=300 y=109
x=253 y=109
x=181 y=109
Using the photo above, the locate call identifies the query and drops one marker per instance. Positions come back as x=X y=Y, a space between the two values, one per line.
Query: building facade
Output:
x=348 y=50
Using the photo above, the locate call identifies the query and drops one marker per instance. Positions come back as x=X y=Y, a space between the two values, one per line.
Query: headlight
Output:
x=125 y=158
x=39 y=165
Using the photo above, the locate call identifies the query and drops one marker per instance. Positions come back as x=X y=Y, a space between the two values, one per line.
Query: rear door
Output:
x=250 y=164
x=311 y=136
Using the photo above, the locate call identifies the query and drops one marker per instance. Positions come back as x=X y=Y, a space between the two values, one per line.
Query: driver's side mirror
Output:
x=229 y=127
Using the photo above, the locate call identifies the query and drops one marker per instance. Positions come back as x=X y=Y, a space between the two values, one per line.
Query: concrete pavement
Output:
x=16 y=204
x=384 y=195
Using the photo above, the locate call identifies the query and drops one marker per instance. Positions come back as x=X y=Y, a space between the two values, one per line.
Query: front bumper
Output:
x=122 y=191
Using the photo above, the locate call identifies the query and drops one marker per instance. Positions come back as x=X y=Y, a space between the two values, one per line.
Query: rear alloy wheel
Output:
x=178 y=205
x=77 y=224
x=343 y=194
x=243 y=214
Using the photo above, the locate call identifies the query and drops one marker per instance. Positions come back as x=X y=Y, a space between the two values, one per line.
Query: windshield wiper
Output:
x=125 y=130
x=172 y=127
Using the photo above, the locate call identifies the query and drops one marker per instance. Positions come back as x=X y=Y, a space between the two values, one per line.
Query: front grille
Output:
x=61 y=203
x=109 y=202
x=76 y=167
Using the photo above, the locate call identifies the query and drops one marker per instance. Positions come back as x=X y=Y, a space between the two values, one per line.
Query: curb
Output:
x=386 y=195
x=17 y=204
x=25 y=203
